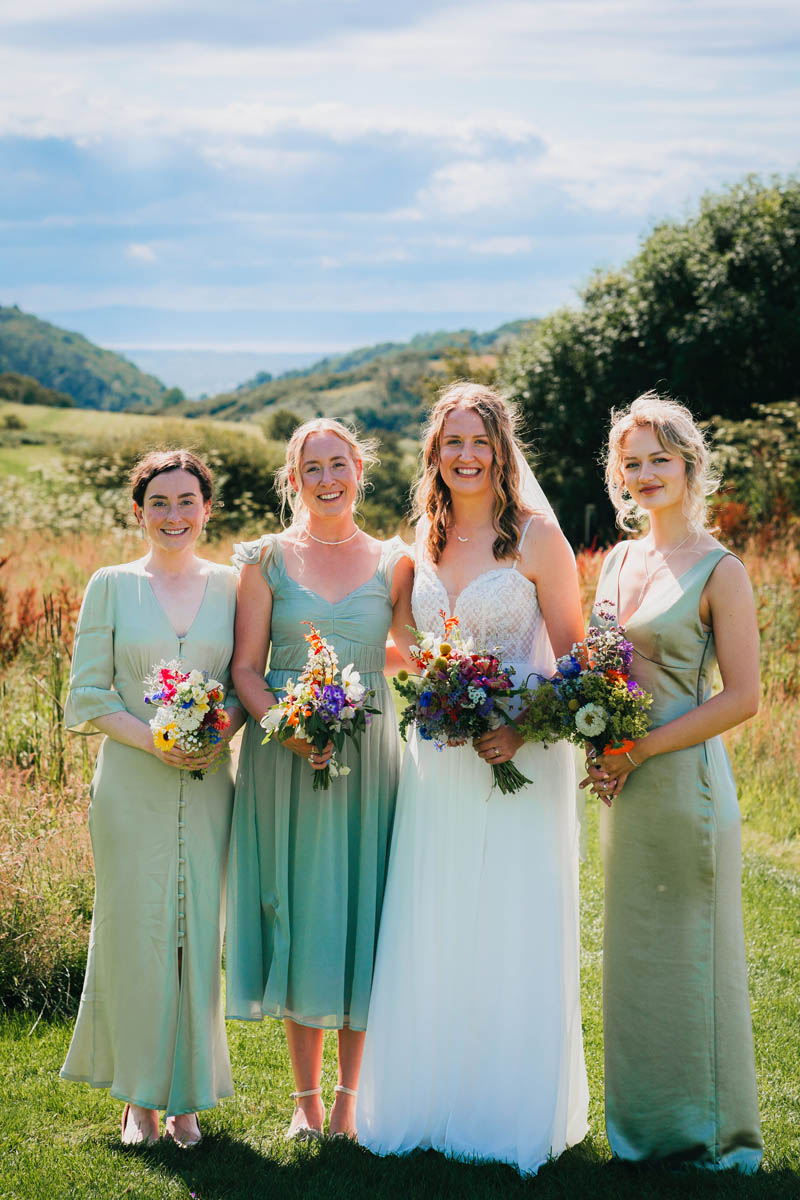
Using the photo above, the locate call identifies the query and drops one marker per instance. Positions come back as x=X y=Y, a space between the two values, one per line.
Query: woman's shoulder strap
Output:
x=524 y=534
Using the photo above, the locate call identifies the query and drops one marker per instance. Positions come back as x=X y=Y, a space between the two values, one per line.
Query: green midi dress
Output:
x=679 y=1067
x=160 y=843
x=308 y=868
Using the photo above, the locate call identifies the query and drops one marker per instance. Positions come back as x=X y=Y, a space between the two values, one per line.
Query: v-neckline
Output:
x=180 y=637
x=467 y=586
x=312 y=592
x=676 y=578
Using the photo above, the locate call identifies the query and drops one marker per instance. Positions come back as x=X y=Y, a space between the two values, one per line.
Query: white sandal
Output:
x=303 y=1132
x=348 y=1092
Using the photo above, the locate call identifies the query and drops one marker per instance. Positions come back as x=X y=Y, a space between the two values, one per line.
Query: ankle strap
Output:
x=309 y=1092
x=348 y=1091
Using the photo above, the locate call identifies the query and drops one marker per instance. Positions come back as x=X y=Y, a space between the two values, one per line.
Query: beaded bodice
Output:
x=498 y=608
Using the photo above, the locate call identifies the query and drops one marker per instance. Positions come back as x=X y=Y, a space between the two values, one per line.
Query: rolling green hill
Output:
x=385 y=387
x=68 y=362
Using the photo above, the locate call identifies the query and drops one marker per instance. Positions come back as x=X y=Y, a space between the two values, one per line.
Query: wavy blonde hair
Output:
x=678 y=433
x=360 y=449
x=431 y=495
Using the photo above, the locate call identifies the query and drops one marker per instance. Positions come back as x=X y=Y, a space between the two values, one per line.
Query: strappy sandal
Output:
x=303 y=1132
x=348 y=1092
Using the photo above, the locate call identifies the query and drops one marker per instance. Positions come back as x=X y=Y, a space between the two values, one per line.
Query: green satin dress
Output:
x=308 y=869
x=680 y=1077
x=160 y=843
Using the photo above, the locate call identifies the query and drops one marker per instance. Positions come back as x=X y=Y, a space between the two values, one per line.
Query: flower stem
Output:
x=509 y=778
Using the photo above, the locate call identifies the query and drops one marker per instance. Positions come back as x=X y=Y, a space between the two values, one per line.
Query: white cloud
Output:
x=40 y=11
x=140 y=252
x=496 y=132
x=266 y=160
x=502 y=246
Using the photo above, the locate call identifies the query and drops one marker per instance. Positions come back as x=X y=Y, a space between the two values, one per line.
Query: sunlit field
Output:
x=62 y=1140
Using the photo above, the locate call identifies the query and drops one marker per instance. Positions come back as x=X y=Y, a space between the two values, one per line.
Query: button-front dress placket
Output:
x=181 y=911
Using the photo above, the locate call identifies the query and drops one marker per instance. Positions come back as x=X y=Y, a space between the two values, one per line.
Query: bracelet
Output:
x=631 y=760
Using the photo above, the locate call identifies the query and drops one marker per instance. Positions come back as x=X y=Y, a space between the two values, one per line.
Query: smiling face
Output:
x=465 y=453
x=655 y=477
x=173 y=511
x=329 y=475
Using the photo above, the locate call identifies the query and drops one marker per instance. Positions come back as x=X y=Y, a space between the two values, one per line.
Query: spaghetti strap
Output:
x=521 y=542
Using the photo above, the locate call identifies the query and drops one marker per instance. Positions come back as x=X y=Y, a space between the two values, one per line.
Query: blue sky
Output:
x=301 y=175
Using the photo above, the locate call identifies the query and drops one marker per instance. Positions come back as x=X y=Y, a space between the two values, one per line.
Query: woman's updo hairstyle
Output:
x=677 y=431
x=157 y=462
x=360 y=450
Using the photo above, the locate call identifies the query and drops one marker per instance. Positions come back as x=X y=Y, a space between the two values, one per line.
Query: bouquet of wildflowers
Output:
x=189 y=709
x=591 y=698
x=321 y=708
x=455 y=697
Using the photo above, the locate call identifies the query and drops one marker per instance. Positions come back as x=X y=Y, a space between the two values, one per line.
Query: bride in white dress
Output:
x=474 y=1042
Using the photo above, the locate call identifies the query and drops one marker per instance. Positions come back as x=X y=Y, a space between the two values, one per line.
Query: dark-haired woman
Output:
x=150 y=1024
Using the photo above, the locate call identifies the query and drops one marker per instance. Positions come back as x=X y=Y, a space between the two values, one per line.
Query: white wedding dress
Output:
x=474 y=1042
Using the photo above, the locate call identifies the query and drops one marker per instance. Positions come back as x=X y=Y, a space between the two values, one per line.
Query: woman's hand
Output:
x=194 y=760
x=607 y=773
x=318 y=759
x=499 y=745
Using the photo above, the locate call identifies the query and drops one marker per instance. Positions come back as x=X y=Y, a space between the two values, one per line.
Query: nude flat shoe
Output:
x=137 y=1138
x=183 y=1142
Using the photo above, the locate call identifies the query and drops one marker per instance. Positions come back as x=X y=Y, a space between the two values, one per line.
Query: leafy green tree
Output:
x=243 y=468
x=280 y=424
x=708 y=310
x=759 y=458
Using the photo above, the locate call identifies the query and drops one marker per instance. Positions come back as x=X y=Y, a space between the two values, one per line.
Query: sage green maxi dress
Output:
x=160 y=842
x=679 y=1069
x=308 y=868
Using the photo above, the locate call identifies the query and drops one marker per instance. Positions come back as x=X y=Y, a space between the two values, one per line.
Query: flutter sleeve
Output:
x=393 y=550
x=91 y=681
x=262 y=551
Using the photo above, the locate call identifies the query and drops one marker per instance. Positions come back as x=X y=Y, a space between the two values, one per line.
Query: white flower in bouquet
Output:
x=353 y=687
x=591 y=719
x=272 y=718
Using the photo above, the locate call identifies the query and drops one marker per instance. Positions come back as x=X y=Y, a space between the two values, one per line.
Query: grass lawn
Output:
x=62 y=1140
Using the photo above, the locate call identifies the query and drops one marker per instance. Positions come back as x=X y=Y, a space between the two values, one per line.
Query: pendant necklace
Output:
x=648 y=577
x=340 y=542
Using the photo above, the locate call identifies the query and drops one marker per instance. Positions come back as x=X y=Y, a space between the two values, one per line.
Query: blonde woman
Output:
x=474 y=1036
x=307 y=868
x=679 y=1069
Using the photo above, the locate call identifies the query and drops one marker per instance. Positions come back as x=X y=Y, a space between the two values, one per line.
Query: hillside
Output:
x=70 y=363
x=385 y=386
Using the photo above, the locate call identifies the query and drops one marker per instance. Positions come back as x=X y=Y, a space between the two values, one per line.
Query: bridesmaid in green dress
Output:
x=308 y=868
x=150 y=1025
x=680 y=1073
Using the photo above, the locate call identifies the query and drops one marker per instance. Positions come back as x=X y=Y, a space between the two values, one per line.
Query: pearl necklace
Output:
x=341 y=541
x=648 y=577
